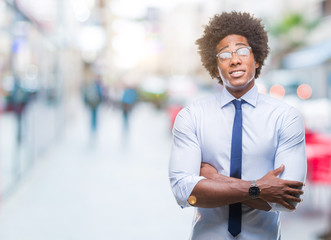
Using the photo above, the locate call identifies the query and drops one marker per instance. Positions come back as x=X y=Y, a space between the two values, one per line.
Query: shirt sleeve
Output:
x=291 y=151
x=185 y=159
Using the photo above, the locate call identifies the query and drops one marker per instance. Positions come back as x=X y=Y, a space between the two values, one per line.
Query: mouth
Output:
x=237 y=73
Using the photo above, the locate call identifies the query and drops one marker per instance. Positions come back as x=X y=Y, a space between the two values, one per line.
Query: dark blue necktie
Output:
x=235 y=168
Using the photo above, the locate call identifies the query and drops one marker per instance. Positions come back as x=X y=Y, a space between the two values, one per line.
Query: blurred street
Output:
x=115 y=186
x=89 y=90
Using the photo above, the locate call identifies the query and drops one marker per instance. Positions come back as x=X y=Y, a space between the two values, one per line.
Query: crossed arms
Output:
x=280 y=188
x=218 y=190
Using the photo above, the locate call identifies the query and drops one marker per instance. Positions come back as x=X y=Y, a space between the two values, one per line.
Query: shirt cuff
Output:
x=186 y=187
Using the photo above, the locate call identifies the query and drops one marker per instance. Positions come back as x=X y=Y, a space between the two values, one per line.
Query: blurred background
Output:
x=89 y=92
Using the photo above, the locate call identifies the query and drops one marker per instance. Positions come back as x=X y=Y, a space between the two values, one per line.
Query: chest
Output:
x=259 y=138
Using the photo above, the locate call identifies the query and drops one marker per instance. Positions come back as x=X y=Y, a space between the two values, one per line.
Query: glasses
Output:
x=241 y=52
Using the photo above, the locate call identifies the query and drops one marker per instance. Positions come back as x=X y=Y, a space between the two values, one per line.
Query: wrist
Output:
x=254 y=190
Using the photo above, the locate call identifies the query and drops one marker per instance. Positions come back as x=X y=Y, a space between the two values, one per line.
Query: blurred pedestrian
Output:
x=238 y=156
x=18 y=99
x=93 y=97
x=129 y=99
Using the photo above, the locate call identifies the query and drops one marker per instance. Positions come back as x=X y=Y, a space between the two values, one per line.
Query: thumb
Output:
x=279 y=170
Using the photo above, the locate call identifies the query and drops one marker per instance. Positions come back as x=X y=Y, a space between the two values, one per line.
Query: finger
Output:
x=294 y=184
x=279 y=170
x=287 y=205
x=297 y=192
x=290 y=198
x=204 y=165
x=293 y=191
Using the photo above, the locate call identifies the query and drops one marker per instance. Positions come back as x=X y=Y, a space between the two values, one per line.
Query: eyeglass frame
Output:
x=231 y=52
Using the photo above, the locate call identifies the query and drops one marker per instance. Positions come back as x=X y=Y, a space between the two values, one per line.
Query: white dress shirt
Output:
x=273 y=134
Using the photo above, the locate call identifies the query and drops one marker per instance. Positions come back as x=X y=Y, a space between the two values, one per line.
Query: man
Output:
x=239 y=156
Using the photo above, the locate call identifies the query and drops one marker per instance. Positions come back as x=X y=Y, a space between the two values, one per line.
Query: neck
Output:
x=240 y=92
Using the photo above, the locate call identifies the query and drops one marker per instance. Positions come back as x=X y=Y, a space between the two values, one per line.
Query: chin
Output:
x=237 y=88
x=238 y=83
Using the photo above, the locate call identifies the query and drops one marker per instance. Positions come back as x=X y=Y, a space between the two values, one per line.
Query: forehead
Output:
x=231 y=41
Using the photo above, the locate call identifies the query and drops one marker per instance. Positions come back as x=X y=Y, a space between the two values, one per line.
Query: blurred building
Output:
x=313 y=59
x=302 y=59
x=41 y=68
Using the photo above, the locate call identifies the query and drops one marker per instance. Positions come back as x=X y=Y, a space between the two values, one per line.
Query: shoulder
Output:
x=271 y=101
x=287 y=115
x=274 y=104
x=199 y=106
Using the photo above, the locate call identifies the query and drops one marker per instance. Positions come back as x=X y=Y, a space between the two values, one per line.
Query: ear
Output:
x=256 y=64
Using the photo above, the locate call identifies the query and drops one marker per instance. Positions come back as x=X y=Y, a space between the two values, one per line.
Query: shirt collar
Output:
x=249 y=97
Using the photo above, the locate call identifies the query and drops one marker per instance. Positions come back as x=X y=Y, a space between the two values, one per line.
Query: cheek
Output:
x=224 y=74
x=219 y=71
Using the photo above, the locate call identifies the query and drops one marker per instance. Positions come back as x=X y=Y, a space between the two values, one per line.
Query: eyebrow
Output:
x=237 y=44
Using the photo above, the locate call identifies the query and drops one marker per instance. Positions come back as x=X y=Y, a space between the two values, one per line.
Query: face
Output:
x=237 y=72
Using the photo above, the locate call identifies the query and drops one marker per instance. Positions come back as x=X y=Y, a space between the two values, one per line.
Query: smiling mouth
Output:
x=238 y=73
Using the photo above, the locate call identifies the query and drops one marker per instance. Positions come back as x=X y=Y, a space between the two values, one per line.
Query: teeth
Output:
x=238 y=73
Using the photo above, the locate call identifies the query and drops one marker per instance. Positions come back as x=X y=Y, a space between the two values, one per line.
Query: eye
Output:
x=243 y=51
x=225 y=55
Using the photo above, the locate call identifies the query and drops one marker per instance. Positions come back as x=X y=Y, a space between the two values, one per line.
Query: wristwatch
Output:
x=254 y=190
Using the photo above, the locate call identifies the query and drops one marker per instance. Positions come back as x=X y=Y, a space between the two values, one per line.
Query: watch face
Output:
x=254 y=192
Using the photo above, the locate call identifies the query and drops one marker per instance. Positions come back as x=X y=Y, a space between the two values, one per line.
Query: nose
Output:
x=235 y=59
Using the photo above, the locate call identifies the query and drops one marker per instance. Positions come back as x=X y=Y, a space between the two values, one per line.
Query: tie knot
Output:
x=237 y=104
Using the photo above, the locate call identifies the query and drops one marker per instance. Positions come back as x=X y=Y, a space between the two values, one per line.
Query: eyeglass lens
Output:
x=240 y=52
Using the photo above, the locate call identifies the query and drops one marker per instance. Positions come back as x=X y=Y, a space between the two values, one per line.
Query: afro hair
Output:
x=226 y=24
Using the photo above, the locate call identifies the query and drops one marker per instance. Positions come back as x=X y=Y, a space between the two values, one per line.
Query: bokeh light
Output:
x=261 y=88
x=304 y=91
x=277 y=91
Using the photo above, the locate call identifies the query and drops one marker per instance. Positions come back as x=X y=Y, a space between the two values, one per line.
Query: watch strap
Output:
x=253 y=183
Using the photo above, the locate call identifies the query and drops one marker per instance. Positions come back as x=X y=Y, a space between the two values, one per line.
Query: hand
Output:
x=208 y=171
x=257 y=204
x=274 y=189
